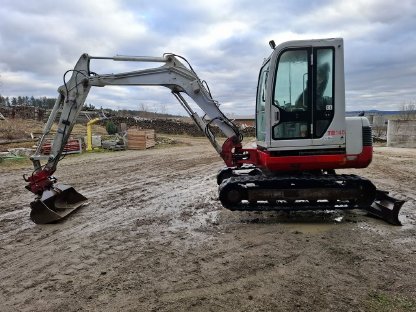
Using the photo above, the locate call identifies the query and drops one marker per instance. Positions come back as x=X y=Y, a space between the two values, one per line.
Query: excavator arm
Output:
x=179 y=79
x=172 y=74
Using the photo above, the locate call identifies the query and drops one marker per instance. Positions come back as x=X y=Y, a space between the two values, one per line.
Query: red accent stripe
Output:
x=314 y=162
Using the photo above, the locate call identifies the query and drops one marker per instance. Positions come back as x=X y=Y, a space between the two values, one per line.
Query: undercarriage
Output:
x=249 y=189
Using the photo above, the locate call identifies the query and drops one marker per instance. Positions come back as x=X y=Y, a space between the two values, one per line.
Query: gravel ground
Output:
x=155 y=238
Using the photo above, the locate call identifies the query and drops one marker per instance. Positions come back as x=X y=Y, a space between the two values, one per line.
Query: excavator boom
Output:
x=54 y=201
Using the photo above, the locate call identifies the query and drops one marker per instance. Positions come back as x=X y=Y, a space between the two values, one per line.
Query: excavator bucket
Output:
x=55 y=204
x=386 y=207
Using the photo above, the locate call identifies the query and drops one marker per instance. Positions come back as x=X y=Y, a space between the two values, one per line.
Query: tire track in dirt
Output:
x=129 y=188
x=155 y=237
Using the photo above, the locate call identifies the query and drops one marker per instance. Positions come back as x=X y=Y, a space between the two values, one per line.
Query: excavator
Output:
x=302 y=134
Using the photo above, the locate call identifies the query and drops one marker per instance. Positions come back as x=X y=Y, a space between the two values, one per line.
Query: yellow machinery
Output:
x=89 y=132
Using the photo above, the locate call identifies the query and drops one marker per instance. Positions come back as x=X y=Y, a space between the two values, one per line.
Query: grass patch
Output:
x=11 y=129
x=7 y=164
x=382 y=302
x=163 y=142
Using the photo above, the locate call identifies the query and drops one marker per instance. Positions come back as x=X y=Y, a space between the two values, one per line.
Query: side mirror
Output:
x=272 y=44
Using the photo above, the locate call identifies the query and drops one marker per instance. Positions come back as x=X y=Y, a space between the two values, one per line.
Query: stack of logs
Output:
x=23 y=112
x=173 y=126
x=140 y=139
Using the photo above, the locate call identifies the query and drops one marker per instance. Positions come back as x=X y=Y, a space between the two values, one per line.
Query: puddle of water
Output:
x=311 y=228
x=308 y=222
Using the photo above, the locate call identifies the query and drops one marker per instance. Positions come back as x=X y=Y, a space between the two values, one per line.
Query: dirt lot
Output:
x=155 y=238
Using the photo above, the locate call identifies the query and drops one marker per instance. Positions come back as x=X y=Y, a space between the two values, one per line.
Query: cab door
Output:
x=261 y=105
x=302 y=102
x=291 y=108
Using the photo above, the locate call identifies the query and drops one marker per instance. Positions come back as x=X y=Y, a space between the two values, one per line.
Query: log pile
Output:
x=140 y=139
x=173 y=126
x=23 y=112
x=167 y=126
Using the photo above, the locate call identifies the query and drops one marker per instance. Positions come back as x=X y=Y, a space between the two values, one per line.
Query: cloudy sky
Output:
x=225 y=41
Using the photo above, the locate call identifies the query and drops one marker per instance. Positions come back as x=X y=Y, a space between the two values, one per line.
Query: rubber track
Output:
x=364 y=192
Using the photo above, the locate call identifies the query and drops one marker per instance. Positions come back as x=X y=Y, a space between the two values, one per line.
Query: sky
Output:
x=225 y=41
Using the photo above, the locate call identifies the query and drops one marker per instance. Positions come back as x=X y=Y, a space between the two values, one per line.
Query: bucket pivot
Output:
x=55 y=204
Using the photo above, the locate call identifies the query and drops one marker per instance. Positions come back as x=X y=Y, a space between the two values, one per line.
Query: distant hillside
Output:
x=373 y=112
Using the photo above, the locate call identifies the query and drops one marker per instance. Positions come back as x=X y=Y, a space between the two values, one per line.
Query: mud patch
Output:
x=155 y=238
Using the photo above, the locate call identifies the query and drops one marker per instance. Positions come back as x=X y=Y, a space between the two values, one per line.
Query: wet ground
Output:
x=155 y=238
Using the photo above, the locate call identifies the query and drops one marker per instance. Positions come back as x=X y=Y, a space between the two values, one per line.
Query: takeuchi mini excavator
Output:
x=302 y=134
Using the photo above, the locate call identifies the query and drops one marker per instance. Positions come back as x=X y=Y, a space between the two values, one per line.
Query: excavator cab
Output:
x=302 y=136
x=300 y=110
x=300 y=97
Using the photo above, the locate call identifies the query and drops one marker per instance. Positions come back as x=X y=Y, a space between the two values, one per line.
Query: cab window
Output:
x=261 y=103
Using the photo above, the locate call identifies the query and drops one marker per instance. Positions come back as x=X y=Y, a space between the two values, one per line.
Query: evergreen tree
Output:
x=111 y=127
x=32 y=101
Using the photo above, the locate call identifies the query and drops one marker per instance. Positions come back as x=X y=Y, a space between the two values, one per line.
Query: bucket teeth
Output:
x=55 y=204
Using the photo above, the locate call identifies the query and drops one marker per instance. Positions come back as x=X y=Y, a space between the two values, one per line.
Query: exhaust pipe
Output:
x=56 y=203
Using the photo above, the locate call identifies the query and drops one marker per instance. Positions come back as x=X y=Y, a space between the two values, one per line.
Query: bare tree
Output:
x=156 y=109
x=143 y=110
x=379 y=126
x=408 y=111
x=163 y=109
x=143 y=107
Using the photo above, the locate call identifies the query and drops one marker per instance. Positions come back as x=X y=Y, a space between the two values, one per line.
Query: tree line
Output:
x=41 y=102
